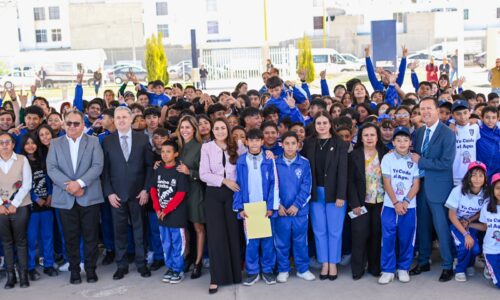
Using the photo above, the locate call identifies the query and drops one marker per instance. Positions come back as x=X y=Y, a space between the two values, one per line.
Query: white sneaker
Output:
x=385 y=278
x=470 y=271
x=403 y=276
x=346 y=259
x=150 y=257
x=64 y=267
x=486 y=273
x=460 y=277
x=282 y=277
x=40 y=261
x=307 y=275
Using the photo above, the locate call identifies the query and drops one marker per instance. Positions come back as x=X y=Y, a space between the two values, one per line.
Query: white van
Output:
x=23 y=77
x=330 y=60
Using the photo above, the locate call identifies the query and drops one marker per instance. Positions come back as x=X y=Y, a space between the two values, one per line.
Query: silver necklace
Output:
x=321 y=146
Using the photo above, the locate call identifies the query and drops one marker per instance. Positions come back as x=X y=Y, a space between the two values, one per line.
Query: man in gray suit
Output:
x=74 y=163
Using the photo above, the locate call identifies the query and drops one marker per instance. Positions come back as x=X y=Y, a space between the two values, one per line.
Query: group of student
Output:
x=341 y=177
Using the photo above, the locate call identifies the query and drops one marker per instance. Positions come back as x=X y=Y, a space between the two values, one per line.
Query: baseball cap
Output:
x=459 y=104
x=476 y=164
x=444 y=103
x=401 y=130
x=495 y=178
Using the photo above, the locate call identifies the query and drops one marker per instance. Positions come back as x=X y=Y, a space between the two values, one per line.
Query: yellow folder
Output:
x=257 y=224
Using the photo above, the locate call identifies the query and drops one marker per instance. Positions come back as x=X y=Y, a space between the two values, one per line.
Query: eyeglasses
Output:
x=402 y=115
x=5 y=142
x=74 y=124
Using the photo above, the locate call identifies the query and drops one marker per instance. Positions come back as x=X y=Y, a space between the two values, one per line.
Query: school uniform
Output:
x=402 y=171
x=466 y=206
x=466 y=137
x=41 y=223
x=255 y=176
x=168 y=191
x=294 y=189
x=491 y=243
x=276 y=149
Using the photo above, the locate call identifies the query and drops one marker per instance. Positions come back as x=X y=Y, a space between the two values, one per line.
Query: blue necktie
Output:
x=425 y=147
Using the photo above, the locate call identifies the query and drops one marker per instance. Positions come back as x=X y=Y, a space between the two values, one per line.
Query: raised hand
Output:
x=302 y=75
x=367 y=51
x=322 y=74
x=414 y=64
x=3 y=93
x=79 y=78
x=404 y=51
x=23 y=99
x=12 y=93
x=290 y=101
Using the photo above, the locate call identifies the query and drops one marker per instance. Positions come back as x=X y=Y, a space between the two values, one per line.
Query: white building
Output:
x=43 y=24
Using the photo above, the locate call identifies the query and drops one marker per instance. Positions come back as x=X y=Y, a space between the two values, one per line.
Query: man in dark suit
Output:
x=128 y=161
x=74 y=163
x=435 y=147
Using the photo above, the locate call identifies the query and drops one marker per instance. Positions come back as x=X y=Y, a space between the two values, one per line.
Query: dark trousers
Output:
x=129 y=210
x=13 y=230
x=366 y=240
x=77 y=222
x=433 y=215
x=223 y=236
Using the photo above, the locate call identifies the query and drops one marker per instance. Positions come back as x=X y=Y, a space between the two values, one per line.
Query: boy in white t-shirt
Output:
x=401 y=184
x=464 y=203
x=467 y=136
x=490 y=216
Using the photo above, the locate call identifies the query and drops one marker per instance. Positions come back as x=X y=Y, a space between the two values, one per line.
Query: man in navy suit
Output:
x=435 y=147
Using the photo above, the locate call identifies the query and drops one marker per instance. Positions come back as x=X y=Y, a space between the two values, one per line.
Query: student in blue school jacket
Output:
x=256 y=179
x=290 y=227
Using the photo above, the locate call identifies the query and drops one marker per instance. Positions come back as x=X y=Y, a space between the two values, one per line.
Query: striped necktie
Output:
x=425 y=147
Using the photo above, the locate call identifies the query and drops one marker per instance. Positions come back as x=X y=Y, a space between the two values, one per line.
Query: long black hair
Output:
x=467 y=183
x=359 y=143
x=35 y=159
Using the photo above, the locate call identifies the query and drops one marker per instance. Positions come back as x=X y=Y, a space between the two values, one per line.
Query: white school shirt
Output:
x=25 y=188
x=402 y=171
x=255 y=193
x=467 y=137
x=74 y=146
x=467 y=205
x=491 y=243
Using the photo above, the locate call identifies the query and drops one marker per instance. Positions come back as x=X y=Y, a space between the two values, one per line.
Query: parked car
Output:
x=423 y=58
x=181 y=70
x=480 y=59
x=119 y=74
x=358 y=63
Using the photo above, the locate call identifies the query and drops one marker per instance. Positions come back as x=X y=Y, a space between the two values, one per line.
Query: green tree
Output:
x=156 y=59
x=305 y=59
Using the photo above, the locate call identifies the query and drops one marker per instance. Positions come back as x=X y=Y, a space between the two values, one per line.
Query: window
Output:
x=320 y=59
x=498 y=12
x=398 y=17
x=161 y=8
x=41 y=35
x=212 y=5
x=56 y=35
x=213 y=27
x=39 y=13
x=163 y=29
x=318 y=23
x=466 y=14
x=54 y=13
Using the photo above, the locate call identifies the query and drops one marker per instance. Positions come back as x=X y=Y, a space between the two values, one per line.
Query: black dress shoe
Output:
x=33 y=274
x=120 y=273
x=50 y=271
x=156 y=265
x=109 y=258
x=358 y=276
x=323 y=277
x=144 y=271
x=91 y=276
x=420 y=269
x=75 y=277
x=23 y=279
x=214 y=290
x=196 y=271
x=11 y=280
x=446 y=275
x=332 y=277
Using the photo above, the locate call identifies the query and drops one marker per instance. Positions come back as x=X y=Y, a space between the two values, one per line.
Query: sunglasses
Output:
x=74 y=124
